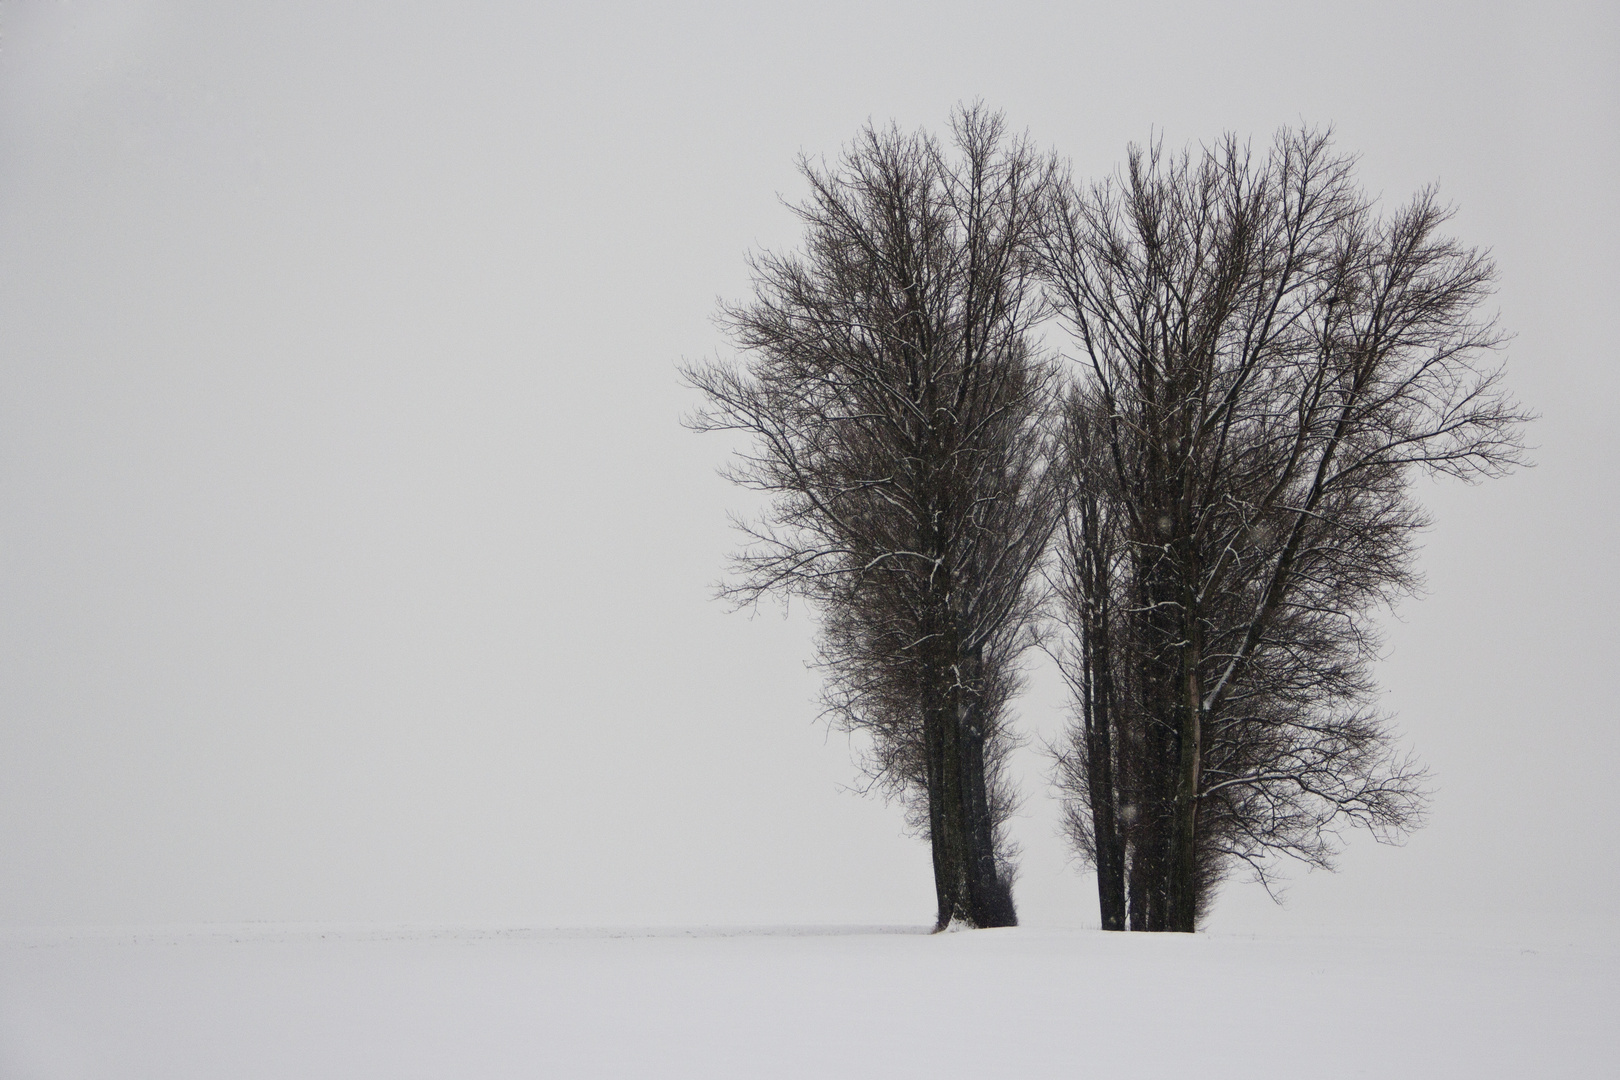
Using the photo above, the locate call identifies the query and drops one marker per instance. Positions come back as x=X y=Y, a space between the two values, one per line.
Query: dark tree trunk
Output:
x=1182 y=871
x=934 y=749
x=1107 y=837
x=1161 y=744
x=1183 y=868
x=947 y=807
x=967 y=882
x=1141 y=884
x=989 y=898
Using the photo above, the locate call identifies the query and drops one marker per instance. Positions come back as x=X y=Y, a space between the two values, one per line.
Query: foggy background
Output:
x=354 y=565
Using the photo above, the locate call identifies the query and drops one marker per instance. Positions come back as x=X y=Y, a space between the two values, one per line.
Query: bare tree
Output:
x=1266 y=362
x=896 y=405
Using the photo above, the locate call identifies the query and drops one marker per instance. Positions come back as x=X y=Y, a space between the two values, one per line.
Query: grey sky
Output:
x=353 y=565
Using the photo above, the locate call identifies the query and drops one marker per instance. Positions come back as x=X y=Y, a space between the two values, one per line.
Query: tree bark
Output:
x=989 y=898
x=1183 y=883
x=1106 y=835
x=934 y=749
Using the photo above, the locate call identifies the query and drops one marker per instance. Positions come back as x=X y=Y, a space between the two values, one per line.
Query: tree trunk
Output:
x=967 y=883
x=989 y=898
x=1107 y=837
x=1183 y=867
x=1156 y=772
x=934 y=749
x=949 y=822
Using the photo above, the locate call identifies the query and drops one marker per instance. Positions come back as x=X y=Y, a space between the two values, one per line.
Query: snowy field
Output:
x=301 y=1002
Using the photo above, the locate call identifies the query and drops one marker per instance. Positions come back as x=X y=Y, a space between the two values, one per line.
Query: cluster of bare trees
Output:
x=1266 y=361
x=899 y=409
x=1204 y=508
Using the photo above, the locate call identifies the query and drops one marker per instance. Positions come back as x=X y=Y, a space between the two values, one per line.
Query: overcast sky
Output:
x=354 y=565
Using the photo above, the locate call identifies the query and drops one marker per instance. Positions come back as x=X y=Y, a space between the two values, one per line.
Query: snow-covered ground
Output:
x=309 y=1002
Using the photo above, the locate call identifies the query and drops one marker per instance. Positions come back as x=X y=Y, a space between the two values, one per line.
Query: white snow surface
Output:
x=310 y=1002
